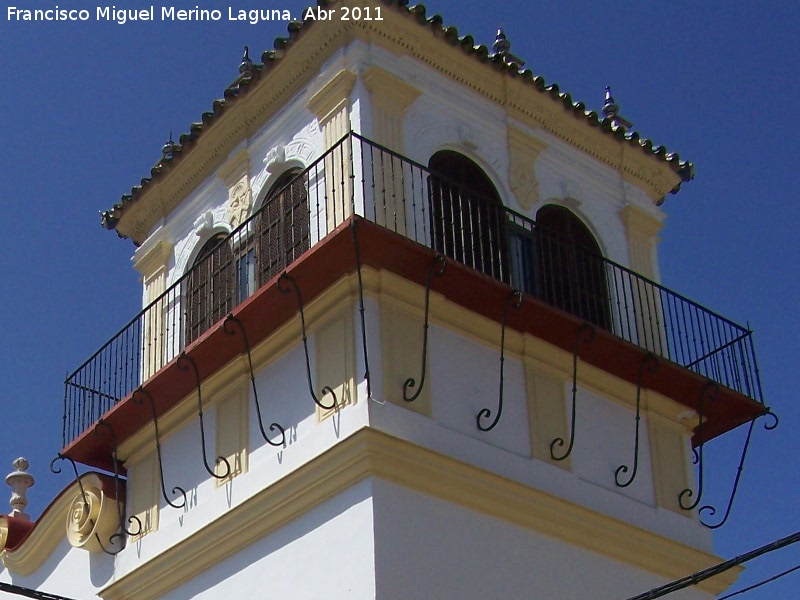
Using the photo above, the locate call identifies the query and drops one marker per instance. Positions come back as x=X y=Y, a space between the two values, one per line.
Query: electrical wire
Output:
x=29 y=593
x=714 y=570
x=760 y=583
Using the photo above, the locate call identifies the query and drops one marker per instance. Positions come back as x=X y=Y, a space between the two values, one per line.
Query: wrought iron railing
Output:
x=357 y=176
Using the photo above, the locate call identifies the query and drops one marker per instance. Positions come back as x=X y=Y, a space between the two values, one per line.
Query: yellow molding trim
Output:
x=370 y=453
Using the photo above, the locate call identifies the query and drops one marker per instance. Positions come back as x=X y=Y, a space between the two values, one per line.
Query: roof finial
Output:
x=501 y=44
x=610 y=108
x=246 y=66
x=611 y=111
x=19 y=481
x=502 y=47
x=167 y=151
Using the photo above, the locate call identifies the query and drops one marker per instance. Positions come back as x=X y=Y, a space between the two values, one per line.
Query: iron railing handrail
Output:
x=648 y=313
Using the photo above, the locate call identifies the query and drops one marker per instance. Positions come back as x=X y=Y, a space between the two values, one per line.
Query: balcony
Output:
x=415 y=213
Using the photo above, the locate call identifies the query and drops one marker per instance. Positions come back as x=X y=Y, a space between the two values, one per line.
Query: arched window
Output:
x=209 y=287
x=467 y=217
x=227 y=272
x=571 y=273
x=282 y=233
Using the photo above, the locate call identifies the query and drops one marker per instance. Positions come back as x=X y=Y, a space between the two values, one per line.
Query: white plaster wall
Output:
x=68 y=571
x=326 y=553
x=463 y=375
x=429 y=548
x=605 y=440
x=465 y=378
x=285 y=399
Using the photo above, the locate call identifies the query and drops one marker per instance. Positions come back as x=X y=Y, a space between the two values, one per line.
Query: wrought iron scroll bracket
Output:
x=230 y=319
x=709 y=392
x=354 y=226
x=182 y=361
x=285 y=277
x=135 y=397
x=86 y=503
x=586 y=333
x=486 y=413
x=99 y=429
x=710 y=510
x=649 y=362
x=437 y=268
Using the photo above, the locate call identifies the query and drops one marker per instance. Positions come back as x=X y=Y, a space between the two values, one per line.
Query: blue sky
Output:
x=87 y=106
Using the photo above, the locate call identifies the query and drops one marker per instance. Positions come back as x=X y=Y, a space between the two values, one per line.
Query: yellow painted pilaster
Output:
x=642 y=229
x=547 y=416
x=335 y=348
x=154 y=266
x=401 y=345
x=143 y=492
x=668 y=447
x=331 y=105
x=390 y=98
x=232 y=419
x=236 y=175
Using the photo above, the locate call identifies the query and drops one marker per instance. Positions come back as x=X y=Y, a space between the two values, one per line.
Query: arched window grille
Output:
x=283 y=224
x=467 y=218
x=570 y=272
x=230 y=269
x=209 y=287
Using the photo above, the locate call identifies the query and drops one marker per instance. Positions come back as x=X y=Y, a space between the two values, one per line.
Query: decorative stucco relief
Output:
x=300 y=149
x=300 y=152
x=92 y=520
x=203 y=223
x=240 y=200
x=523 y=150
x=208 y=223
